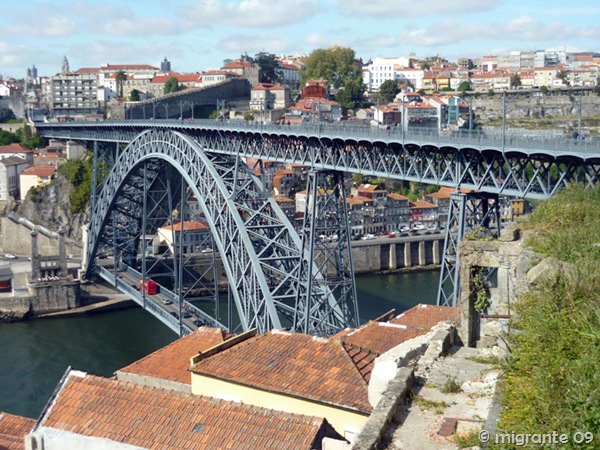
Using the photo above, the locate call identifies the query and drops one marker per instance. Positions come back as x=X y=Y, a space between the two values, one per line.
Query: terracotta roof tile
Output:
x=295 y=364
x=424 y=317
x=14 y=148
x=13 y=430
x=379 y=337
x=160 y=419
x=43 y=170
x=173 y=361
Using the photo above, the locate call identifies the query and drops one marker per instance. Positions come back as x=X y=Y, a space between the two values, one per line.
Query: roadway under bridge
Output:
x=279 y=278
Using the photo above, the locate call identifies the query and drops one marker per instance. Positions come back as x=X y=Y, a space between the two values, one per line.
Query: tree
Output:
x=120 y=76
x=564 y=76
x=7 y=138
x=543 y=90
x=28 y=139
x=336 y=65
x=388 y=91
x=464 y=86
x=134 y=96
x=351 y=94
x=425 y=65
x=515 y=81
x=172 y=85
x=269 y=68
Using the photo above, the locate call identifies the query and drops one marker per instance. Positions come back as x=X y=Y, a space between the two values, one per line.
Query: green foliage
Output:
x=467 y=440
x=120 y=76
x=464 y=86
x=552 y=382
x=248 y=117
x=26 y=138
x=480 y=289
x=387 y=91
x=451 y=386
x=431 y=405
x=172 y=85
x=134 y=96
x=79 y=173
x=544 y=90
x=339 y=67
x=515 y=81
x=596 y=90
x=7 y=138
x=269 y=69
x=358 y=178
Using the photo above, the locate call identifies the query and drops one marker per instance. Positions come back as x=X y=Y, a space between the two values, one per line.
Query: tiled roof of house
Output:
x=13 y=161
x=369 y=188
x=42 y=171
x=379 y=337
x=14 y=148
x=295 y=364
x=421 y=204
x=238 y=64
x=395 y=196
x=268 y=87
x=424 y=317
x=173 y=361
x=161 y=419
x=13 y=430
x=127 y=67
x=188 y=225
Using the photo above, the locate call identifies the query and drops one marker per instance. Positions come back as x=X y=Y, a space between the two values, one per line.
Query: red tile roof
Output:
x=295 y=364
x=188 y=225
x=14 y=148
x=173 y=361
x=13 y=430
x=379 y=337
x=160 y=419
x=42 y=171
x=424 y=317
x=421 y=204
x=238 y=65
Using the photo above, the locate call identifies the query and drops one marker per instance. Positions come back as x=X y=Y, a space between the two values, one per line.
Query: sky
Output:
x=197 y=35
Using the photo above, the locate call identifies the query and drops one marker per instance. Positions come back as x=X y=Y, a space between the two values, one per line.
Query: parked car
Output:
x=166 y=301
x=357 y=237
x=9 y=256
x=368 y=237
x=391 y=235
x=404 y=229
x=418 y=226
x=207 y=250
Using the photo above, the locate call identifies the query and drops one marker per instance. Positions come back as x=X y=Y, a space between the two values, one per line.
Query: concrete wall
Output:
x=54 y=296
x=375 y=256
x=16 y=238
x=45 y=438
x=344 y=421
x=160 y=383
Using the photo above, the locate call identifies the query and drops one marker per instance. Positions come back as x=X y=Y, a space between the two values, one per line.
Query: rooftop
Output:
x=332 y=370
x=173 y=361
x=42 y=171
x=160 y=419
x=13 y=430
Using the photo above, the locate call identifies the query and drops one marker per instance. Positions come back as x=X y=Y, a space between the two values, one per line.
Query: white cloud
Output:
x=248 y=13
x=253 y=44
x=410 y=8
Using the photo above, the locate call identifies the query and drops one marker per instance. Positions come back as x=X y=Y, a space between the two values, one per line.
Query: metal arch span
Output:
x=260 y=250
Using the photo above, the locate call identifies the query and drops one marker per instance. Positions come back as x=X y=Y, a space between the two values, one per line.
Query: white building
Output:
x=194 y=233
x=10 y=169
x=382 y=69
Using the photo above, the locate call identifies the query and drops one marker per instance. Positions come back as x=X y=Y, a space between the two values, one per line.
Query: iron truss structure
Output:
x=487 y=164
x=261 y=253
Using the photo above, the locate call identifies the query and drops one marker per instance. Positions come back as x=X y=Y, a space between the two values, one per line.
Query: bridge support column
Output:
x=477 y=214
x=422 y=254
x=436 y=252
x=326 y=243
x=407 y=255
x=392 y=263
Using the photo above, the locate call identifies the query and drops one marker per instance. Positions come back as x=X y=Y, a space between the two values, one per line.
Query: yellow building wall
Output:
x=27 y=182
x=347 y=423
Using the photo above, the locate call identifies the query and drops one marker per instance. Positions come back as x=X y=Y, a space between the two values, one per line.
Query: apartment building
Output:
x=75 y=94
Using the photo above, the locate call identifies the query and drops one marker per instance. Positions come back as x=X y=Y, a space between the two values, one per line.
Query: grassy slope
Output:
x=552 y=382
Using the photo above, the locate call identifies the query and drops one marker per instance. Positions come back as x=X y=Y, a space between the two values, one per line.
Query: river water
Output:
x=34 y=354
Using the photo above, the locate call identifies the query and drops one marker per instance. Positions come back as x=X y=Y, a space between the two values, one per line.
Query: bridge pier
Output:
x=422 y=255
x=407 y=255
x=392 y=264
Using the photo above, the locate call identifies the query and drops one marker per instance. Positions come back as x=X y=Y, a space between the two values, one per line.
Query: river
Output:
x=34 y=354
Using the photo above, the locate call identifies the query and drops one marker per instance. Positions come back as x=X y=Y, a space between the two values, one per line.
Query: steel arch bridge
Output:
x=290 y=289
x=262 y=254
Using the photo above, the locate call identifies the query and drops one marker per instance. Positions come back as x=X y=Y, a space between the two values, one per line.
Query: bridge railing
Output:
x=508 y=139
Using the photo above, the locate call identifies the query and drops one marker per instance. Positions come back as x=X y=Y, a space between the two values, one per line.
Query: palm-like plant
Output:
x=120 y=76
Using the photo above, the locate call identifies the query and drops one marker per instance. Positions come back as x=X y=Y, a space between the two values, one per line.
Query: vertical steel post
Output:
x=144 y=225
x=180 y=252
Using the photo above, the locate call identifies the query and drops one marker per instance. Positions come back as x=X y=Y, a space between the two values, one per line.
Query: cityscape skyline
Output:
x=197 y=35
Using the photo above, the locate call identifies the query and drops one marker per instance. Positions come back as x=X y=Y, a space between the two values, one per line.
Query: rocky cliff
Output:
x=50 y=207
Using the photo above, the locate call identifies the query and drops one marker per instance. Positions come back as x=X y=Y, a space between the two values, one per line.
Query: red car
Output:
x=391 y=235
